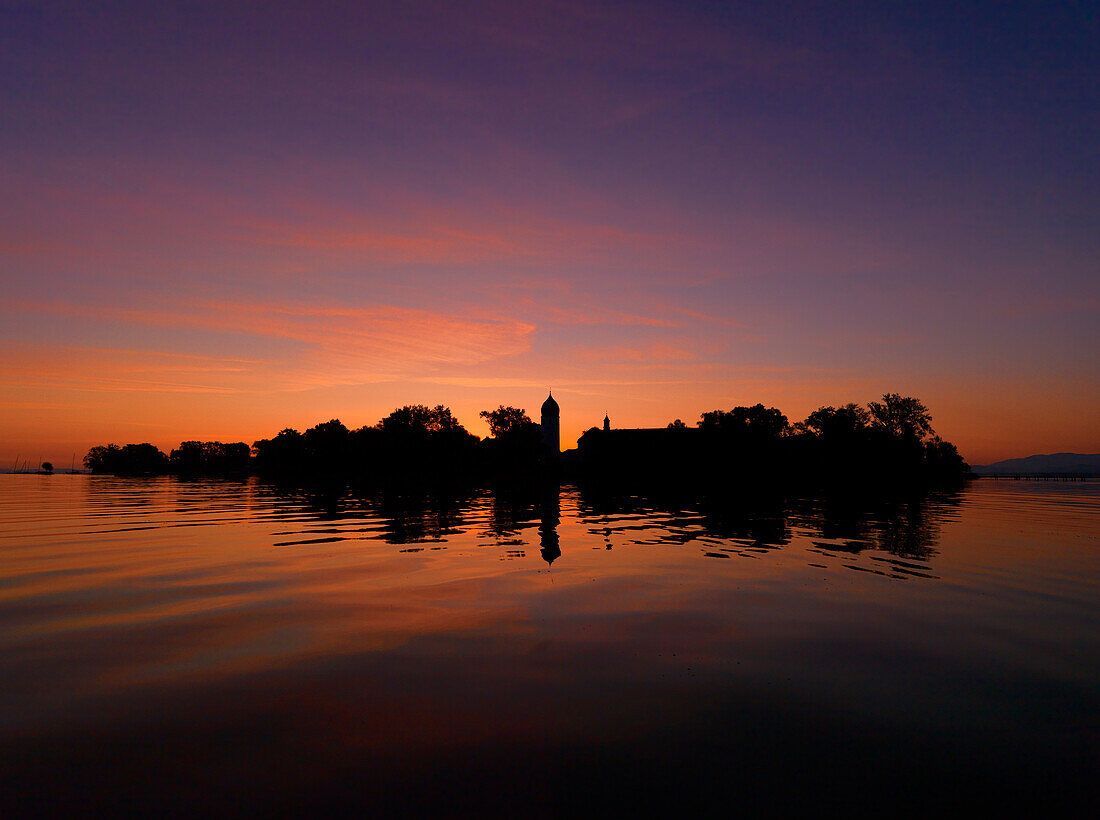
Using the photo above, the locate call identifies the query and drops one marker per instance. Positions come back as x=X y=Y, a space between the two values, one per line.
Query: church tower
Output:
x=551 y=428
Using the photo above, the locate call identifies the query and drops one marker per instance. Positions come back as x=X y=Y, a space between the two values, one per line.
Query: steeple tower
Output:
x=551 y=428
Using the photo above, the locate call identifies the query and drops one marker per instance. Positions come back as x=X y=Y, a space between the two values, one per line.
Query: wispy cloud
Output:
x=98 y=369
x=335 y=345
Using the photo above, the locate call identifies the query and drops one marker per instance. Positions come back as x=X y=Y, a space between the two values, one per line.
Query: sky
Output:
x=219 y=220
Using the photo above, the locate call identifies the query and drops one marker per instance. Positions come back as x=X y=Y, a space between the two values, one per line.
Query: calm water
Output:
x=221 y=648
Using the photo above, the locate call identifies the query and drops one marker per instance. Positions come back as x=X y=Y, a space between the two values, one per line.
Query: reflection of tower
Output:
x=551 y=435
x=548 y=528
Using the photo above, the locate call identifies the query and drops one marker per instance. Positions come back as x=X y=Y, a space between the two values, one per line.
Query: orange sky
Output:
x=211 y=228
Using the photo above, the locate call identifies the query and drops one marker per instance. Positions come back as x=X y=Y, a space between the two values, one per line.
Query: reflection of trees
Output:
x=683 y=518
x=909 y=534
x=411 y=518
x=510 y=513
x=599 y=502
x=908 y=527
x=911 y=529
x=762 y=519
x=404 y=517
x=108 y=495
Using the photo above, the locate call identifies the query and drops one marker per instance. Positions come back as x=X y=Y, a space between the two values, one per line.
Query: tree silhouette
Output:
x=209 y=457
x=943 y=460
x=327 y=435
x=417 y=445
x=132 y=459
x=504 y=420
x=836 y=442
x=516 y=447
x=836 y=422
x=419 y=418
x=757 y=422
x=420 y=442
x=285 y=453
x=902 y=418
x=328 y=448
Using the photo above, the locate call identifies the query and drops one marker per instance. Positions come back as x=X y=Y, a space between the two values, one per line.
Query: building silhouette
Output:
x=631 y=449
x=640 y=447
x=551 y=424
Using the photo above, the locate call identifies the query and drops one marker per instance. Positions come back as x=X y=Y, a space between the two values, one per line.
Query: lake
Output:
x=217 y=648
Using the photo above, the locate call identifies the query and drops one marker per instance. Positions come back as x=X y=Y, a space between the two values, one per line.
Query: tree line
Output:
x=414 y=440
x=891 y=437
x=890 y=440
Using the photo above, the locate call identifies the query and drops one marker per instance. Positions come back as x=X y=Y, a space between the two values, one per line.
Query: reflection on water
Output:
x=220 y=648
x=550 y=517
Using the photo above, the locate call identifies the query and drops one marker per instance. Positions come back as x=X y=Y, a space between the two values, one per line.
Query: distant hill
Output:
x=1053 y=463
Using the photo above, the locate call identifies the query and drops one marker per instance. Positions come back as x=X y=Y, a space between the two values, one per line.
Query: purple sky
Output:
x=218 y=220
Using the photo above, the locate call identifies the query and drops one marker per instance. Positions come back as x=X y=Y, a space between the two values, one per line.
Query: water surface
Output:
x=177 y=647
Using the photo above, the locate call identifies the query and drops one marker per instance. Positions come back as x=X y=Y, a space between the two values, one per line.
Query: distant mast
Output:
x=551 y=424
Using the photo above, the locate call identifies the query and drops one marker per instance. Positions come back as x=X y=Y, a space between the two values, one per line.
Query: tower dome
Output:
x=550 y=407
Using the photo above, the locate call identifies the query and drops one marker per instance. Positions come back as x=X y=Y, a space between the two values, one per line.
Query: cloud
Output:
x=426 y=234
x=334 y=345
x=91 y=369
x=651 y=353
x=576 y=311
